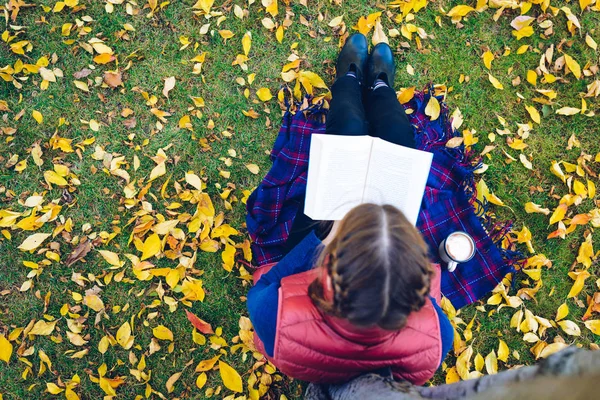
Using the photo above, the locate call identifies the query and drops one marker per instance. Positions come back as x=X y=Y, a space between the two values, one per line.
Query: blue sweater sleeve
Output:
x=446 y=330
x=263 y=298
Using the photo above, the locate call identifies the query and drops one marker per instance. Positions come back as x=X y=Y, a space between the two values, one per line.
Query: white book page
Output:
x=397 y=176
x=337 y=170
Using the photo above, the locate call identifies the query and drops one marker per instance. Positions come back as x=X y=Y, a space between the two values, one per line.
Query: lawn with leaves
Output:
x=132 y=132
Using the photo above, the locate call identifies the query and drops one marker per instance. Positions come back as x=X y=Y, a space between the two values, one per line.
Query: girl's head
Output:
x=378 y=267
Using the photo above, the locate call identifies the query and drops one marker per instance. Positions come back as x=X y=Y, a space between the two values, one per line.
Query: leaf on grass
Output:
x=573 y=65
x=39 y=118
x=32 y=242
x=264 y=94
x=534 y=114
x=231 y=379
x=113 y=79
x=488 y=56
x=570 y=328
x=43 y=328
x=562 y=312
x=94 y=302
x=247 y=42
x=491 y=363
x=110 y=257
x=169 y=85
x=199 y=324
x=206 y=365
x=6 y=349
x=201 y=380
x=551 y=349
x=577 y=287
x=124 y=337
x=253 y=168
x=460 y=11
x=503 y=351
x=568 y=111
x=593 y=325
x=171 y=381
x=535 y=208
x=163 y=333
x=151 y=246
x=495 y=82
x=82 y=249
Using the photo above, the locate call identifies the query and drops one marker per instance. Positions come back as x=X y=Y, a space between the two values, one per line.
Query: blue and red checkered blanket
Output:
x=449 y=201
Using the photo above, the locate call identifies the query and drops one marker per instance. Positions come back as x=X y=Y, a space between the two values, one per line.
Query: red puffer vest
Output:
x=315 y=347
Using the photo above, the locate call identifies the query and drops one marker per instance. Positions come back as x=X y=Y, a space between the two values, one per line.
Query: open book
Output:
x=345 y=171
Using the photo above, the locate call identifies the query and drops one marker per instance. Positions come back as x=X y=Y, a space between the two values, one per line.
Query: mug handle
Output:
x=452 y=266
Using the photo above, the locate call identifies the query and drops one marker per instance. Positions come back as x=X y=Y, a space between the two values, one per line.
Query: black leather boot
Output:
x=380 y=65
x=353 y=57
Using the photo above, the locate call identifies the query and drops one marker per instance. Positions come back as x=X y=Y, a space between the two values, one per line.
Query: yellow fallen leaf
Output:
x=556 y=170
x=491 y=363
x=433 y=108
x=406 y=95
x=43 y=328
x=110 y=257
x=531 y=77
x=231 y=379
x=201 y=380
x=562 y=312
x=151 y=246
x=53 y=388
x=523 y=32
x=558 y=214
x=32 y=242
x=589 y=40
x=253 y=168
x=488 y=56
x=593 y=325
x=535 y=208
x=378 y=34
x=534 y=114
x=503 y=351
x=573 y=65
x=6 y=349
x=206 y=365
x=570 y=328
x=568 y=111
x=124 y=337
x=577 y=287
x=336 y=21
x=495 y=82
x=39 y=118
x=226 y=34
x=94 y=302
x=247 y=42
x=279 y=33
x=551 y=349
x=81 y=85
x=452 y=376
x=264 y=94
x=163 y=333
x=171 y=381
x=103 y=344
x=203 y=5
x=104 y=58
x=460 y=11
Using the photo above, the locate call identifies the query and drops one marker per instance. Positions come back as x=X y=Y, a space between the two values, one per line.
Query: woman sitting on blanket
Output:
x=361 y=295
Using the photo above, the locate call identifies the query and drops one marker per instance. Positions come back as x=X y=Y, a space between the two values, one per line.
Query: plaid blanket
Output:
x=448 y=203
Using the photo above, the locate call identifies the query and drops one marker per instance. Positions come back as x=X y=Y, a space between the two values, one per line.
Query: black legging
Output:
x=377 y=114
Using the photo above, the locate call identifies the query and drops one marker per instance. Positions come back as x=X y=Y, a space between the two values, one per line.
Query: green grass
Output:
x=153 y=50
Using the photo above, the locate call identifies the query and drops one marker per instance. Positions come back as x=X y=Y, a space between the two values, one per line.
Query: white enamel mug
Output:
x=458 y=247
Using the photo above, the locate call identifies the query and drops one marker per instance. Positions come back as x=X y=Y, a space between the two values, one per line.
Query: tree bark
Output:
x=571 y=373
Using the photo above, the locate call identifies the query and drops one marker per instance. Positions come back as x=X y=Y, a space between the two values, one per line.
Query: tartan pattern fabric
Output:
x=448 y=201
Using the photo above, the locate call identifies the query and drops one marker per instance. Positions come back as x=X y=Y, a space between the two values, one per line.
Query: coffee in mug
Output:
x=457 y=248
